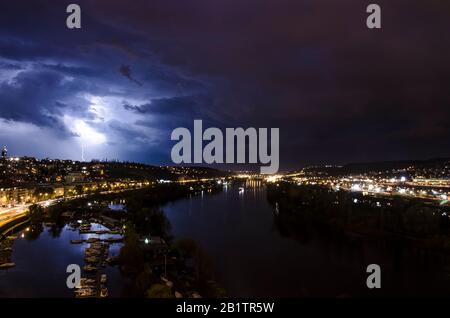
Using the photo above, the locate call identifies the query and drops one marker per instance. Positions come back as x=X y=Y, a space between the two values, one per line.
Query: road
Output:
x=10 y=214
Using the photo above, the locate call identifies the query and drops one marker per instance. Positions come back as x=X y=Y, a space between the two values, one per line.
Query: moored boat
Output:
x=104 y=293
x=89 y=268
x=84 y=292
x=7 y=265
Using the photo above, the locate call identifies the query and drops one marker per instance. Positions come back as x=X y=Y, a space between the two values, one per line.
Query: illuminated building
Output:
x=75 y=177
x=4 y=153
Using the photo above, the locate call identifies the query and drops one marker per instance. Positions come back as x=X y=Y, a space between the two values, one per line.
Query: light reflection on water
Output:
x=116 y=206
x=258 y=252
x=41 y=264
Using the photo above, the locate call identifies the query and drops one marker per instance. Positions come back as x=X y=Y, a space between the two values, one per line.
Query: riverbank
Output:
x=140 y=214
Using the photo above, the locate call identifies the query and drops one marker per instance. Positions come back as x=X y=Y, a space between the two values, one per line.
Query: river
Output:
x=260 y=254
x=256 y=253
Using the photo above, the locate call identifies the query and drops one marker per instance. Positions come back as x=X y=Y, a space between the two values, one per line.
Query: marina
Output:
x=96 y=256
x=100 y=277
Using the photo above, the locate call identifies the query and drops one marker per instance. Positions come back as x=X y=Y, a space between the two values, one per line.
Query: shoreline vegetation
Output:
x=353 y=215
x=154 y=264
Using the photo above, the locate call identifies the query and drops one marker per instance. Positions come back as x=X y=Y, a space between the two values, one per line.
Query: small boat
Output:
x=84 y=292
x=92 y=240
x=89 y=268
x=92 y=253
x=112 y=260
x=102 y=232
x=103 y=279
x=178 y=295
x=84 y=229
x=104 y=293
x=76 y=241
x=91 y=259
x=114 y=239
x=7 y=265
x=86 y=282
x=7 y=249
x=94 y=248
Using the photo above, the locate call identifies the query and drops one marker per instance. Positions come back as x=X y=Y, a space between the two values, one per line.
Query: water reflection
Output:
x=118 y=205
x=257 y=252
x=260 y=252
x=42 y=258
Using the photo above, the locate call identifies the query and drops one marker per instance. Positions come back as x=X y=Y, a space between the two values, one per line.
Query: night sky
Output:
x=338 y=91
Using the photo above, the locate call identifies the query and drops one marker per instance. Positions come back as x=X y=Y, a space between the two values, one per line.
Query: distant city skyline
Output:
x=235 y=168
x=117 y=87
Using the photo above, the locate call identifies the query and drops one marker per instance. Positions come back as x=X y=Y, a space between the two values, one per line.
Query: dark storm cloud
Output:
x=37 y=95
x=27 y=97
x=314 y=69
x=9 y=66
x=180 y=111
x=338 y=91
x=142 y=109
x=125 y=70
